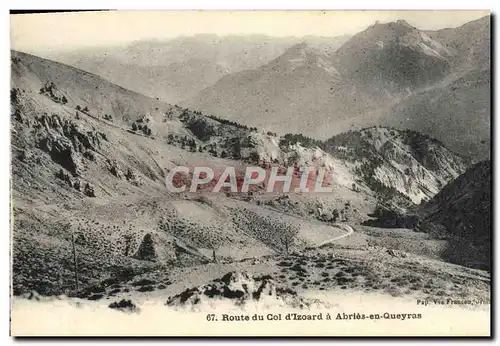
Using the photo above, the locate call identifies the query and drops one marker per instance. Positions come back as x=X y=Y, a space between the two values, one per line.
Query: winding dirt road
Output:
x=343 y=227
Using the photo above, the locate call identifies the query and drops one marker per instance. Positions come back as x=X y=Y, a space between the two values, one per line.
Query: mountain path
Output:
x=345 y=228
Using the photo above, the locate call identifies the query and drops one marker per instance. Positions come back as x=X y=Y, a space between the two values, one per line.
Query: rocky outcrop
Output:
x=132 y=177
x=392 y=56
x=62 y=152
x=241 y=288
x=49 y=89
x=76 y=183
x=65 y=142
x=396 y=253
x=114 y=168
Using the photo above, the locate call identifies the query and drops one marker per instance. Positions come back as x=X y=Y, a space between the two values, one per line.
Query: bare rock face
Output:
x=241 y=288
x=63 y=175
x=65 y=142
x=62 y=152
x=88 y=190
x=76 y=183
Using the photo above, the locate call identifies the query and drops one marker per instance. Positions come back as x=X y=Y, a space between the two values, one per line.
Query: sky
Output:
x=71 y=31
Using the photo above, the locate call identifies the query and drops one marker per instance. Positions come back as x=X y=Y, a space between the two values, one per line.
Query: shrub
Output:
x=146 y=289
x=123 y=304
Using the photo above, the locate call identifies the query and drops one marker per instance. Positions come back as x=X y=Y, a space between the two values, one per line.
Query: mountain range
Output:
x=398 y=117
x=392 y=74
x=83 y=148
x=176 y=69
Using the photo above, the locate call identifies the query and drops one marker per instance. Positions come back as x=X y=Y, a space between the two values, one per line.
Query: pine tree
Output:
x=146 y=250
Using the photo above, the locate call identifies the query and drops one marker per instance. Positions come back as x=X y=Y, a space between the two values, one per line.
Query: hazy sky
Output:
x=40 y=32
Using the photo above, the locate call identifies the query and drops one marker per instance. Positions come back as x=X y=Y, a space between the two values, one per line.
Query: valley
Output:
x=409 y=212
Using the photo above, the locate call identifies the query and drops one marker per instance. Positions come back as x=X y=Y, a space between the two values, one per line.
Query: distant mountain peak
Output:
x=404 y=22
x=395 y=54
x=302 y=55
x=387 y=31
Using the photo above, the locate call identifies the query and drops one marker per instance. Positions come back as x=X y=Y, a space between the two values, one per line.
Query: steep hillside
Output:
x=82 y=88
x=64 y=117
x=392 y=162
x=302 y=85
x=458 y=112
x=372 y=69
x=385 y=161
x=89 y=161
x=462 y=210
x=470 y=43
x=461 y=104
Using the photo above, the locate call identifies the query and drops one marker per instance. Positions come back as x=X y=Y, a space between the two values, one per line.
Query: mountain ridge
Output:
x=89 y=163
x=149 y=66
x=344 y=91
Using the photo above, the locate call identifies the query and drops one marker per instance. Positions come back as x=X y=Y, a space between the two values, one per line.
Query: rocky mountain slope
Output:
x=392 y=162
x=461 y=104
x=393 y=57
x=302 y=85
x=458 y=112
x=89 y=161
x=470 y=44
x=392 y=74
x=385 y=160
